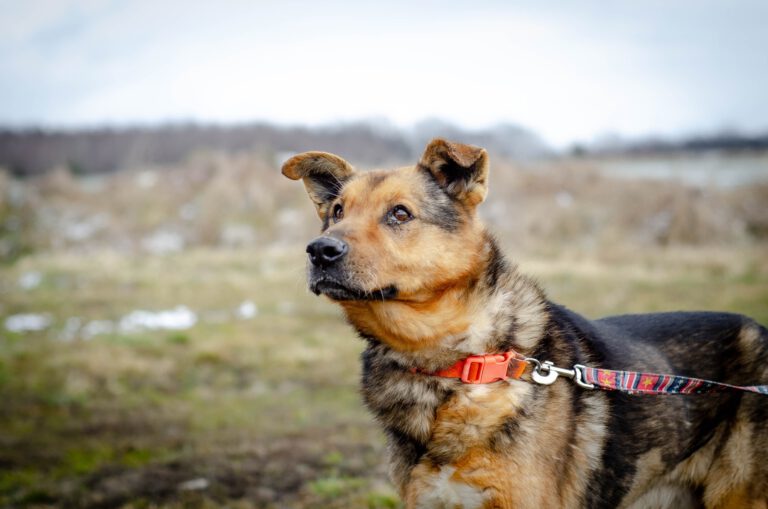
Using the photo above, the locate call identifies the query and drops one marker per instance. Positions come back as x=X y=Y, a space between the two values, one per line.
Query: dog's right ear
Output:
x=323 y=174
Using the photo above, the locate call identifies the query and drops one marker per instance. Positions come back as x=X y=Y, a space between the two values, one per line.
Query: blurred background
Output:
x=158 y=346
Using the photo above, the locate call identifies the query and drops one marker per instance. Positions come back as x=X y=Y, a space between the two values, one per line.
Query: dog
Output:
x=423 y=282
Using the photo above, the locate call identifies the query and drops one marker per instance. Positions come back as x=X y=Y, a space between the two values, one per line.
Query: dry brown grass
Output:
x=571 y=202
x=243 y=201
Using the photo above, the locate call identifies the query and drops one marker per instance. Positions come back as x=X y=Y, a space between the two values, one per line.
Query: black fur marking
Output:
x=412 y=449
x=455 y=172
x=375 y=180
x=497 y=265
x=506 y=341
x=509 y=431
x=338 y=289
x=326 y=185
x=438 y=208
x=423 y=167
x=453 y=177
x=327 y=219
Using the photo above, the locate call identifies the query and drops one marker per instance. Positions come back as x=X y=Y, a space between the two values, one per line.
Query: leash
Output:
x=482 y=369
x=634 y=382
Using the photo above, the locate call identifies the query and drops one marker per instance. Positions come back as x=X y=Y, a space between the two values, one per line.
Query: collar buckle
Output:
x=483 y=369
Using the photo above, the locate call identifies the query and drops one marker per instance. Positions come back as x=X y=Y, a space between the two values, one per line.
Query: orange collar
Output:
x=484 y=369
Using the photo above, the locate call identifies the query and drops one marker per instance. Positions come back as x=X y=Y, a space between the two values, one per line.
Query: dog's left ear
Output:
x=461 y=170
x=323 y=174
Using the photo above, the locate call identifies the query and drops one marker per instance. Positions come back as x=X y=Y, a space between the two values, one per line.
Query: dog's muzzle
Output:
x=331 y=277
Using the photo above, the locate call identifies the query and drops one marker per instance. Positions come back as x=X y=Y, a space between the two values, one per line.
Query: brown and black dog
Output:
x=425 y=285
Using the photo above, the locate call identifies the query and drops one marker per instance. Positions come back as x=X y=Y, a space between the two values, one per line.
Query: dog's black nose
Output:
x=324 y=251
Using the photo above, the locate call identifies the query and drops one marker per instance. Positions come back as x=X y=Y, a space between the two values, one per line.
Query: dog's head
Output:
x=401 y=234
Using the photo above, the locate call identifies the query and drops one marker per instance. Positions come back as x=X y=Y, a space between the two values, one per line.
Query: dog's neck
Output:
x=492 y=310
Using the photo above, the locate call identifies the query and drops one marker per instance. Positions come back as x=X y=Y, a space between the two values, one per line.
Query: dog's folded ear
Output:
x=323 y=174
x=461 y=170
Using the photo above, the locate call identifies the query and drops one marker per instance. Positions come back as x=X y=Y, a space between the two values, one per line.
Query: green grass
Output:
x=266 y=410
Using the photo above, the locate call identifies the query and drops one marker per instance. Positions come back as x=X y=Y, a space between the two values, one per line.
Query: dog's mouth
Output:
x=339 y=291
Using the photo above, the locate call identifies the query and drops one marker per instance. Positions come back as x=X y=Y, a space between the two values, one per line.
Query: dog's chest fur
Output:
x=448 y=442
x=430 y=423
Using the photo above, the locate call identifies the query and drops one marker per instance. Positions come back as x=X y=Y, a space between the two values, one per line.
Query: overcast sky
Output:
x=570 y=71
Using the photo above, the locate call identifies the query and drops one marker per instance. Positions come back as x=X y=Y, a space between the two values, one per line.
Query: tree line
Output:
x=33 y=151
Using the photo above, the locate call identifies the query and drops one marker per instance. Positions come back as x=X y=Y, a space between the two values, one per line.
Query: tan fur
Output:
x=431 y=266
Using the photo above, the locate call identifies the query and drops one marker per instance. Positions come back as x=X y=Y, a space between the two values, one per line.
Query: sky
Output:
x=571 y=71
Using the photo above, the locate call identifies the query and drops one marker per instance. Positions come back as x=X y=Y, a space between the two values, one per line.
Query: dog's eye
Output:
x=399 y=215
x=338 y=212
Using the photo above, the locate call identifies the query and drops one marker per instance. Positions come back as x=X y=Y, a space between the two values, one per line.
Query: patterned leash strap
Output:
x=633 y=382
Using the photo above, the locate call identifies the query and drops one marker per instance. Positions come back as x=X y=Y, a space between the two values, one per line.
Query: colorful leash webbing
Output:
x=634 y=382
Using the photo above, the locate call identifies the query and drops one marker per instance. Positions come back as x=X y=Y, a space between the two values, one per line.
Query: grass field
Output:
x=256 y=404
x=158 y=346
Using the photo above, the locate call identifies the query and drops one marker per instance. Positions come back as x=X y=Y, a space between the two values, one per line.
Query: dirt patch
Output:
x=288 y=472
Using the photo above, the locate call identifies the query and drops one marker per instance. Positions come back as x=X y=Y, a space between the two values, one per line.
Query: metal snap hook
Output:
x=544 y=374
x=580 y=378
x=535 y=362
